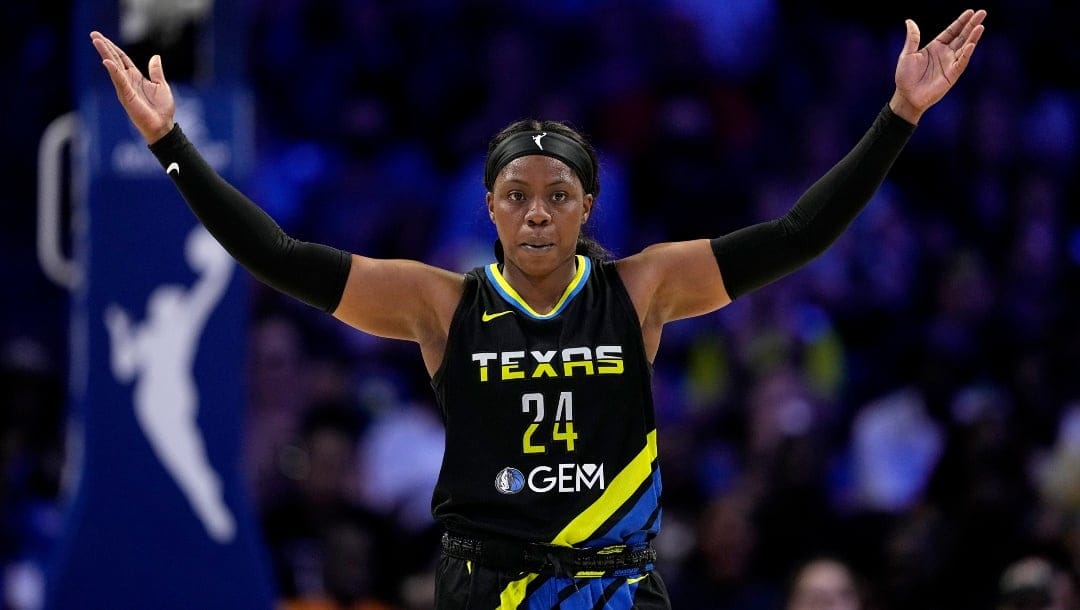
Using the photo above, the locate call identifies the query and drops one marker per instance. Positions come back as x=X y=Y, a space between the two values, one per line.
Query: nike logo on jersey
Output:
x=173 y=167
x=487 y=317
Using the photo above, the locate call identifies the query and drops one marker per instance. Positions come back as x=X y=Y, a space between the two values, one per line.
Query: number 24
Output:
x=563 y=429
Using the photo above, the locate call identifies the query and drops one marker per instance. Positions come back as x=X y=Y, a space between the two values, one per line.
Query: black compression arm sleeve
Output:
x=312 y=273
x=754 y=256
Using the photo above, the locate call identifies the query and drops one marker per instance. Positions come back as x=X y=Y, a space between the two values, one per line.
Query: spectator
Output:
x=825 y=582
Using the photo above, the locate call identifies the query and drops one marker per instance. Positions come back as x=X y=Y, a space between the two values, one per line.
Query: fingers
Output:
x=108 y=50
x=154 y=69
x=951 y=34
x=963 y=57
x=125 y=60
x=973 y=38
x=968 y=31
x=965 y=43
x=973 y=25
x=113 y=60
x=962 y=29
x=959 y=63
x=911 y=42
x=969 y=38
x=104 y=49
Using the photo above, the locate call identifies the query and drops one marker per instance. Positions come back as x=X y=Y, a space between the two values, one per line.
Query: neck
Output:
x=541 y=291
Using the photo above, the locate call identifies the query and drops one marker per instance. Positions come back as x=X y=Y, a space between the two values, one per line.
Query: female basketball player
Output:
x=549 y=491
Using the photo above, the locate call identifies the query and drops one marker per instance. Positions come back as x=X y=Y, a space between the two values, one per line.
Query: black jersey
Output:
x=550 y=434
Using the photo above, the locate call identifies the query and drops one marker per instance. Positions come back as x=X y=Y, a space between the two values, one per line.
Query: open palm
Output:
x=148 y=101
x=924 y=76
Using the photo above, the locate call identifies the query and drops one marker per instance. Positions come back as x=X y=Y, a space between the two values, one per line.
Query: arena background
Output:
x=909 y=402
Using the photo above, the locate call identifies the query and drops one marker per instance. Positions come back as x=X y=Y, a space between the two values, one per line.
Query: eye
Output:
x=515 y=196
x=559 y=196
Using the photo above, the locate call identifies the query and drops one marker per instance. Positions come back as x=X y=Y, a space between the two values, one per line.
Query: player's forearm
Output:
x=759 y=254
x=313 y=273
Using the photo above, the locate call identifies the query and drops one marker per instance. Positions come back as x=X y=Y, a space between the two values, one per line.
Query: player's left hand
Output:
x=924 y=76
x=148 y=100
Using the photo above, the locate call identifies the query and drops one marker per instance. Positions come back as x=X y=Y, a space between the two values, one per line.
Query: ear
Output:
x=586 y=206
x=490 y=199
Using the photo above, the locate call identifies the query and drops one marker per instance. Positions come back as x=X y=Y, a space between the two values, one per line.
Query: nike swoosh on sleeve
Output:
x=174 y=166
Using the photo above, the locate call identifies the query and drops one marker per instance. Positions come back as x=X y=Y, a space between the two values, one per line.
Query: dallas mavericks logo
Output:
x=509 y=481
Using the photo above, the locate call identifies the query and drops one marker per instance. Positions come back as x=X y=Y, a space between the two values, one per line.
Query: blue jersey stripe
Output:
x=616 y=592
x=631 y=529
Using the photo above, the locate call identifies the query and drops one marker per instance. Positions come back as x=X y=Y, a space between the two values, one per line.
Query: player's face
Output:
x=538 y=206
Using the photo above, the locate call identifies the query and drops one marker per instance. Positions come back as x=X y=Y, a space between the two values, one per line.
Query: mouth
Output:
x=537 y=247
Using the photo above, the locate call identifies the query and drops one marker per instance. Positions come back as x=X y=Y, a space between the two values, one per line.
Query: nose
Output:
x=538 y=213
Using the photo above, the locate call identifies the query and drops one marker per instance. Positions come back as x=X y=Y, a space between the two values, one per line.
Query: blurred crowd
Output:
x=894 y=426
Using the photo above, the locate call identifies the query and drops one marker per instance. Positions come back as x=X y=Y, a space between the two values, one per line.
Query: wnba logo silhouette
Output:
x=157 y=355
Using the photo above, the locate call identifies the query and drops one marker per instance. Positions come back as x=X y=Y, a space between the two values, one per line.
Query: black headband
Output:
x=544 y=143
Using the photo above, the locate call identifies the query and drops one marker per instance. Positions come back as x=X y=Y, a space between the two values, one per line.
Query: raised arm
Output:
x=397 y=299
x=678 y=280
